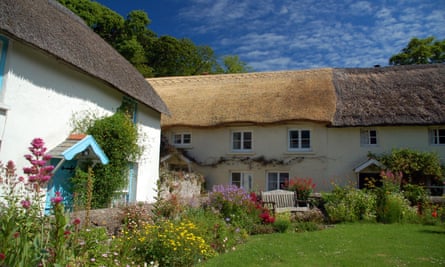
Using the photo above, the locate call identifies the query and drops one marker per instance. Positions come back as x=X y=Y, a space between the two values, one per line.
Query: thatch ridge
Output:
x=48 y=26
x=400 y=95
x=260 y=98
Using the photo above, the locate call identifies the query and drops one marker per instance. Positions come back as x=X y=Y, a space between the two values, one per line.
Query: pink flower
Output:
x=16 y=235
x=2 y=256
x=57 y=199
x=26 y=204
x=37 y=143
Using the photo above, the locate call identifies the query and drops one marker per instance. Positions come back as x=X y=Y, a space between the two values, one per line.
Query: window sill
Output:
x=241 y=153
x=299 y=152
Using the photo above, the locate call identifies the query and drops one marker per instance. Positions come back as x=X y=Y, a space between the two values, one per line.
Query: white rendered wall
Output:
x=42 y=95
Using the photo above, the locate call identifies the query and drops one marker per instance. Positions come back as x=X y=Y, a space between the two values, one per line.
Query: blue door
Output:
x=60 y=182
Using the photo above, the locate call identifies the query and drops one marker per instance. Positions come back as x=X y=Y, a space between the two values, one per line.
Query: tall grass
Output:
x=343 y=245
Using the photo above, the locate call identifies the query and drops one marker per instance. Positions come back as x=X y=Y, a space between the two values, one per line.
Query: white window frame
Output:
x=242 y=141
x=278 y=181
x=183 y=141
x=437 y=136
x=367 y=138
x=300 y=139
x=246 y=180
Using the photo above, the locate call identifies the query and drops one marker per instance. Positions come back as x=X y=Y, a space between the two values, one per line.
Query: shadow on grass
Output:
x=430 y=231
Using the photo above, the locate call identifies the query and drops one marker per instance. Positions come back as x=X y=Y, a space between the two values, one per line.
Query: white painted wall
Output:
x=335 y=151
x=42 y=95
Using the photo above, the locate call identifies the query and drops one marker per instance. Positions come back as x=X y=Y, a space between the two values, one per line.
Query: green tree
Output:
x=150 y=54
x=420 y=51
x=233 y=64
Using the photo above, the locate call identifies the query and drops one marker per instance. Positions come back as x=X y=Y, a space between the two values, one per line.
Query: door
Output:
x=60 y=182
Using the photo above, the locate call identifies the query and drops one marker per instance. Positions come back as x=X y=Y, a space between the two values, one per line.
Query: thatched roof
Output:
x=48 y=26
x=266 y=97
x=402 y=95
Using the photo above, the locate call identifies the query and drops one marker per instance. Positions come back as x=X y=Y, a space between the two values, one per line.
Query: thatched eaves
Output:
x=259 y=98
x=402 y=95
x=50 y=27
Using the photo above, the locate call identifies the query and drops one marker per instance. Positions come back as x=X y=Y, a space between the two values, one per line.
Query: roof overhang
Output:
x=79 y=146
x=366 y=164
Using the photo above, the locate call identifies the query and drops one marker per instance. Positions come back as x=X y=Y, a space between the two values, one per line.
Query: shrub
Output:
x=170 y=243
x=349 y=205
x=396 y=209
x=221 y=235
x=281 y=224
x=416 y=194
x=303 y=187
x=236 y=206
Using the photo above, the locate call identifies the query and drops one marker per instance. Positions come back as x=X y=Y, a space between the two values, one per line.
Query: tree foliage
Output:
x=414 y=165
x=153 y=56
x=420 y=51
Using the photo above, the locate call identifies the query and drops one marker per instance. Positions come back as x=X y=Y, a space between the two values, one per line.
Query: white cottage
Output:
x=257 y=130
x=52 y=66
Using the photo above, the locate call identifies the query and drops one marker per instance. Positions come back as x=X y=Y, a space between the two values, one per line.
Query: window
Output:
x=437 y=136
x=299 y=139
x=241 y=140
x=368 y=137
x=3 y=51
x=182 y=138
x=242 y=180
x=277 y=180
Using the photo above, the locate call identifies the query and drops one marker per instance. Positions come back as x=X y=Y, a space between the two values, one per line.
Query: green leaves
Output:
x=420 y=51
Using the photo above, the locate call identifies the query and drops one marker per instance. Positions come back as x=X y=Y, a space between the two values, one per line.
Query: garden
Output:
x=393 y=224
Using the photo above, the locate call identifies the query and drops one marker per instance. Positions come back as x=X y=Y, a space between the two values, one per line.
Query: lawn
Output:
x=343 y=245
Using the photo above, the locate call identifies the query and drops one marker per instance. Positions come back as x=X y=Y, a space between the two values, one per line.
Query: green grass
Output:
x=343 y=245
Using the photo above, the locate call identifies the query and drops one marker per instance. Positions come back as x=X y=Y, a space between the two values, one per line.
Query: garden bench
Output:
x=281 y=201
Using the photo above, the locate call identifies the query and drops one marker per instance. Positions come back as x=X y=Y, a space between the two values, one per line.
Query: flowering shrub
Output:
x=235 y=206
x=169 y=243
x=303 y=186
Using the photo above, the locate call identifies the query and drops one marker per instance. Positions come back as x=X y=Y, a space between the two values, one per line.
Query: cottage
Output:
x=53 y=66
x=257 y=130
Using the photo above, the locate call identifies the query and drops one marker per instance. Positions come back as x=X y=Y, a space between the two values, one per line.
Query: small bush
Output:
x=281 y=225
x=416 y=194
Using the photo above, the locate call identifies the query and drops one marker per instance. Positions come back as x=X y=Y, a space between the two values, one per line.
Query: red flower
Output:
x=26 y=204
x=76 y=221
x=2 y=256
x=434 y=213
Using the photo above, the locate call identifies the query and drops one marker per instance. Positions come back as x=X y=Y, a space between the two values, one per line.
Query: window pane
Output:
x=187 y=138
x=236 y=179
x=177 y=139
x=247 y=140
x=284 y=180
x=372 y=137
x=441 y=136
x=272 y=181
x=236 y=140
x=293 y=139
x=305 y=139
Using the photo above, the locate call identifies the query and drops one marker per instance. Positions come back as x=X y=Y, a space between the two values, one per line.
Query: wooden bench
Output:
x=281 y=201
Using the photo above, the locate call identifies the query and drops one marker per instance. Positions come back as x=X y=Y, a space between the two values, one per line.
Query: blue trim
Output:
x=83 y=144
x=4 y=42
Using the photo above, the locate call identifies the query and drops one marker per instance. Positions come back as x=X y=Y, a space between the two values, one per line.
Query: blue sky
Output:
x=274 y=35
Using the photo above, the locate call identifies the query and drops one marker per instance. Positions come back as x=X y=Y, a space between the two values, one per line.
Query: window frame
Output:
x=435 y=136
x=366 y=137
x=242 y=177
x=182 y=138
x=300 y=140
x=278 y=179
x=241 y=141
